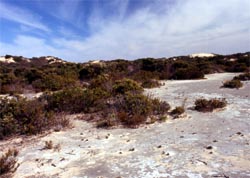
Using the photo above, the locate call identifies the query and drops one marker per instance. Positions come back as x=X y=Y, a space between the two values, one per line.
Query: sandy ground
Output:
x=200 y=145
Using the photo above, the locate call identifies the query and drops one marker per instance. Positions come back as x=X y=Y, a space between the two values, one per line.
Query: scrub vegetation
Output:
x=110 y=91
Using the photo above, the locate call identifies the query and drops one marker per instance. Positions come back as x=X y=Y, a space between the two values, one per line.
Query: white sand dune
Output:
x=202 y=55
x=7 y=60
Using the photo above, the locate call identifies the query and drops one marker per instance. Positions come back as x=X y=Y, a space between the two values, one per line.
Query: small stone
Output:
x=209 y=147
x=131 y=149
x=181 y=136
x=159 y=146
x=215 y=141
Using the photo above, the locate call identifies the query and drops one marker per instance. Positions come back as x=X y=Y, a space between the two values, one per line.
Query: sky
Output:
x=83 y=30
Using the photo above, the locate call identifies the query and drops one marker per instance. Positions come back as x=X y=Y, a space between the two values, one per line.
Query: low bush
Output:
x=21 y=116
x=105 y=123
x=102 y=81
x=178 y=110
x=159 y=107
x=137 y=104
x=204 y=105
x=233 y=84
x=125 y=85
x=133 y=109
x=151 y=83
x=133 y=121
x=48 y=145
x=187 y=73
x=242 y=77
x=8 y=161
x=76 y=100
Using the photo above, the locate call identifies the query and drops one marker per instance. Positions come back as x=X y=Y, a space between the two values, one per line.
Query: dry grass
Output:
x=204 y=105
x=8 y=161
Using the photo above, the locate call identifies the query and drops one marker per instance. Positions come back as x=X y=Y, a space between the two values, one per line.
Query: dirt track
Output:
x=200 y=145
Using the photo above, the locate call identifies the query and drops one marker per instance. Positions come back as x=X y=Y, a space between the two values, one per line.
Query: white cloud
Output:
x=184 y=28
x=21 y=16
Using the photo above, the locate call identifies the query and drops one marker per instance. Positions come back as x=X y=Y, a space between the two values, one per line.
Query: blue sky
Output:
x=82 y=30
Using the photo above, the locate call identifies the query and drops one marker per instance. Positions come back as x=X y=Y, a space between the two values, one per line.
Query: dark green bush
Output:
x=21 y=116
x=102 y=81
x=137 y=104
x=33 y=75
x=125 y=85
x=187 y=73
x=242 y=77
x=133 y=109
x=204 y=105
x=49 y=82
x=76 y=100
x=233 y=84
x=90 y=71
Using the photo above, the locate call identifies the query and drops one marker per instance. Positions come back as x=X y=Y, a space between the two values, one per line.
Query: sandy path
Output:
x=176 y=148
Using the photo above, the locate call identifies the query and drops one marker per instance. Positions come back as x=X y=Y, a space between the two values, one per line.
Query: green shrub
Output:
x=102 y=81
x=242 y=77
x=8 y=161
x=90 y=71
x=233 y=84
x=125 y=85
x=204 y=105
x=21 y=116
x=137 y=104
x=187 y=73
x=49 y=82
x=133 y=109
x=76 y=100
x=237 y=67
